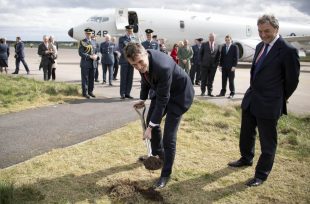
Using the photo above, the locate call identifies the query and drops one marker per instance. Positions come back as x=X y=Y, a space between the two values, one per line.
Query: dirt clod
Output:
x=127 y=190
x=153 y=163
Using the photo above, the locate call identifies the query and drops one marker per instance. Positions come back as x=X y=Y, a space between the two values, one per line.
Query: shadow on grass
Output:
x=72 y=188
x=69 y=187
x=193 y=189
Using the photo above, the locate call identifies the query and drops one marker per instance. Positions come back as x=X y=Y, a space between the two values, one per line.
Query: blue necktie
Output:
x=227 y=48
x=260 y=60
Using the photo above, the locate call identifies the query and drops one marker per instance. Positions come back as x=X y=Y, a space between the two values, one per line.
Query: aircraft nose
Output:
x=70 y=32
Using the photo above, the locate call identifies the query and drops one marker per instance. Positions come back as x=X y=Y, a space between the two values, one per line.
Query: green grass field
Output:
x=20 y=93
x=105 y=169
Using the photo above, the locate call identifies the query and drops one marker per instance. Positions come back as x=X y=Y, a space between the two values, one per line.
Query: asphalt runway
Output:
x=32 y=132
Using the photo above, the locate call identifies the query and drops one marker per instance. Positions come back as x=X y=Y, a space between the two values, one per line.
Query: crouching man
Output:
x=172 y=96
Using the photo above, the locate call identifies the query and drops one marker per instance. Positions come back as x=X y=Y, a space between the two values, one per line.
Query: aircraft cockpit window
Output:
x=98 y=19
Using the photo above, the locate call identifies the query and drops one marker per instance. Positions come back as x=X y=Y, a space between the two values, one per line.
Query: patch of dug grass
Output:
x=86 y=173
x=20 y=93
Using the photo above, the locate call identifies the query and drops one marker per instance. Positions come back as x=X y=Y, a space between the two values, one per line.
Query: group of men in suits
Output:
x=209 y=56
x=274 y=78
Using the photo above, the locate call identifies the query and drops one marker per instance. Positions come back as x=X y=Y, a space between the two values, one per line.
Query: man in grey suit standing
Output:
x=210 y=57
x=20 y=55
x=174 y=94
x=274 y=78
x=46 y=58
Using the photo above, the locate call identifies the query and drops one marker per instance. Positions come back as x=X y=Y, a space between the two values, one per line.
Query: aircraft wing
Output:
x=297 y=38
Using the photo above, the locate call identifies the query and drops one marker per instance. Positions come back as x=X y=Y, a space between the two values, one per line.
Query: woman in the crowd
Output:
x=174 y=53
x=4 y=55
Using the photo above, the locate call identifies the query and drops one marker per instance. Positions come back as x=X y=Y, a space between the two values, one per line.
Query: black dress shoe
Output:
x=254 y=182
x=122 y=96
x=211 y=95
x=220 y=95
x=240 y=163
x=86 y=95
x=129 y=96
x=202 y=94
x=92 y=95
x=161 y=183
x=231 y=95
x=14 y=73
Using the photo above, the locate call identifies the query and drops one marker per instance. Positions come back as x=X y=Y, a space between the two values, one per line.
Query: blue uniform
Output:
x=126 y=68
x=195 y=69
x=86 y=49
x=107 y=60
x=150 y=45
x=96 y=63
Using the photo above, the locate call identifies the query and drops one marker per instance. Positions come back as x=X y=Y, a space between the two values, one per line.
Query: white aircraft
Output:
x=176 y=25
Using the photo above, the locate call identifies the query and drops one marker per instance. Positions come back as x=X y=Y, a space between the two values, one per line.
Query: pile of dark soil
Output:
x=127 y=190
x=153 y=163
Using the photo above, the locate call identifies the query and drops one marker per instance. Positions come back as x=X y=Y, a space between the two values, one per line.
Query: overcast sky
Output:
x=31 y=19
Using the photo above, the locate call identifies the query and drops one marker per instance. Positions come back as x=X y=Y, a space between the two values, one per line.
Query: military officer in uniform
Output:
x=107 y=49
x=149 y=43
x=126 y=68
x=87 y=49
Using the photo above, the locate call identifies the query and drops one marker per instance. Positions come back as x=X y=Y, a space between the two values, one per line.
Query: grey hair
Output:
x=132 y=50
x=271 y=19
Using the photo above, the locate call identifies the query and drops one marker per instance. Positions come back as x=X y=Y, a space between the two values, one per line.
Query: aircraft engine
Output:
x=246 y=49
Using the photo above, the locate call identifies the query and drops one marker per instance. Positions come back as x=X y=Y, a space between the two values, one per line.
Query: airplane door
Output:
x=121 y=18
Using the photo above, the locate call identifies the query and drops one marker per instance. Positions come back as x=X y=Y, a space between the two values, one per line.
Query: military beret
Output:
x=89 y=30
x=199 y=39
x=129 y=27
x=149 y=31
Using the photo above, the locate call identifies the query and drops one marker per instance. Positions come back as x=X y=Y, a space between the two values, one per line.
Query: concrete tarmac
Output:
x=32 y=132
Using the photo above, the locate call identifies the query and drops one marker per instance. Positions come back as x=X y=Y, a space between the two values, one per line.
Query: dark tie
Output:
x=260 y=60
x=147 y=77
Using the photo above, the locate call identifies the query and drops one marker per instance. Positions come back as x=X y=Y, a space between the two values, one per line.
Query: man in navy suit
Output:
x=126 y=68
x=210 y=57
x=274 y=78
x=195 y=69
x=174 y=95
x=228 y=63
x=20 y=55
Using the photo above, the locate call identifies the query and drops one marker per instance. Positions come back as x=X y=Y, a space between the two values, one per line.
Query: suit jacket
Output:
x=19 y=49
x=45 y=58
x=275 y=81
x=107 y=50
x=172 y=86
x=229 y=59
x=208 y=58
